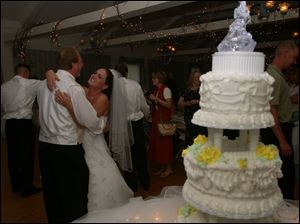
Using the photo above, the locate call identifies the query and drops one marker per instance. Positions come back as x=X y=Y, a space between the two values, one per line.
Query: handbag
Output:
x=167 y=128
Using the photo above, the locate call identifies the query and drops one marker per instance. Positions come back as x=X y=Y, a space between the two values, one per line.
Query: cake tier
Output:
x=239 y=185
x=232 y=120
x=235 y=101
x=231 y=208
x=240 y=63
x=286 y=213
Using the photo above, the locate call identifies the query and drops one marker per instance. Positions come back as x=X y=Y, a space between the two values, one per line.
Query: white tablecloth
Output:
x=164 y=208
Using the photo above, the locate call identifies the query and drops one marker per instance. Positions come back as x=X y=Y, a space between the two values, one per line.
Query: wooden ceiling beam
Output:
x=193 y=29
x=127 y=9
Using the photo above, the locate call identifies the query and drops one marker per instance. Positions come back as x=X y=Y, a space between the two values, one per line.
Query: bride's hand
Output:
x=63 y=99
x=51 y=79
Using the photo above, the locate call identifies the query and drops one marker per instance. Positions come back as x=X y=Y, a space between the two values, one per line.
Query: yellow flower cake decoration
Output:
x=242 y=163
x=184 y=152
x=268 y=152
x=209 y=155
x=200 y=139
x=187 y=210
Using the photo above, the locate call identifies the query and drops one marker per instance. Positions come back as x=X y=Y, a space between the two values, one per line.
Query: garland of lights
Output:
x=54 y=35
x=134 y=28
x=22 y=38
x=100 y=43
x=21 y=41
x=130 y=27
x=162 y=49
x=93 y=37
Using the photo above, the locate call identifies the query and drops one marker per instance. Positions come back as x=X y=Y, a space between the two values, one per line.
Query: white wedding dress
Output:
x=107 y=187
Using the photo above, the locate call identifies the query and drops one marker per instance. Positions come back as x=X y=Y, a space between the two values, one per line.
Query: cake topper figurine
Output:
x=237 y=38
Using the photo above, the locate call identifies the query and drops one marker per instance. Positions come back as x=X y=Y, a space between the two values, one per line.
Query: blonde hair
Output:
x=67 y=56
x=286 y=45
x=191 y=77
x=160 y=75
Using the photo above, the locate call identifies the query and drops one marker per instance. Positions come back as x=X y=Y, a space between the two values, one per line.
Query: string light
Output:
x=96 y=38
x=263 y=9
x=166 y=50
x=21 y=41
x=54 y=35
x=131 y=28
x=99 y=41
x=203 y=33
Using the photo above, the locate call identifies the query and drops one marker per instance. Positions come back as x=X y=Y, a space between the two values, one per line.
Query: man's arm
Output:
x=84 y=112
x=285 y=148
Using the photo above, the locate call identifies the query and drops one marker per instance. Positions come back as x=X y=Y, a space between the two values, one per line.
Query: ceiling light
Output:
x=295 y=34
x=270 y=5
x=261 y=11
x=283 y=7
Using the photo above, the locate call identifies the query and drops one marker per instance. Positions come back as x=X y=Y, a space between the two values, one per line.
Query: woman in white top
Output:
x=107 y=187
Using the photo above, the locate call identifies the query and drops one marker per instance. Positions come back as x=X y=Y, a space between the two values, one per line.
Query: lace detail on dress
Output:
x=107 y=188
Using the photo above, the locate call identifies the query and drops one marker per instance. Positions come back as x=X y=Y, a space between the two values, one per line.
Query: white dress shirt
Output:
x=17 y=97
x=137 y=105
x=57 y=125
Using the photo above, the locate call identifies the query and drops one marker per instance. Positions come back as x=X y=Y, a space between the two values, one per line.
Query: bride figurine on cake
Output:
x=237 y=38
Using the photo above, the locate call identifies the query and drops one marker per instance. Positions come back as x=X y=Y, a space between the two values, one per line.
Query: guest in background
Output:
x=280 y=134
x=17 y=98
x=293 y=80
x=161 y=147
x=292 y=75
x=137 y=110
x=189 y=101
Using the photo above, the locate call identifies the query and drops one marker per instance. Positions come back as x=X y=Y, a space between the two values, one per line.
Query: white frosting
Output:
x=230 y=207
x=200 y=217
x=232 y=182
x=241 y=63
x=236 y=94
x=223 y=189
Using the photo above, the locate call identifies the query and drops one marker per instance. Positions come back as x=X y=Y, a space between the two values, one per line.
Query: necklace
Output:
x=92 y=97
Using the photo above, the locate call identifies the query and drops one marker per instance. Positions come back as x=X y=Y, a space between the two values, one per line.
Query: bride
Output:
x=107 y=188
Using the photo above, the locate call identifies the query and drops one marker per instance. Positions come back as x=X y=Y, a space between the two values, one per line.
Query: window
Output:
x=134 y=71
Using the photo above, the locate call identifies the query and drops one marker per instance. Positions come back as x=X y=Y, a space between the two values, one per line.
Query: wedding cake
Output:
x=233 y=179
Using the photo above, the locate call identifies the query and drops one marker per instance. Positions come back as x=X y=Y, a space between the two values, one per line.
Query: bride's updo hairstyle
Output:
x=108 y=82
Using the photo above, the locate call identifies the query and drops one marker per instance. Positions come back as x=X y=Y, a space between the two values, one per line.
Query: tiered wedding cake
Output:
x=233 y=179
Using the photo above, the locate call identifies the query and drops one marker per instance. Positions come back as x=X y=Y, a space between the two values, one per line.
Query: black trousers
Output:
x=287 y=182
x=139 y=159
x=65 y=177
x=20 y=152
